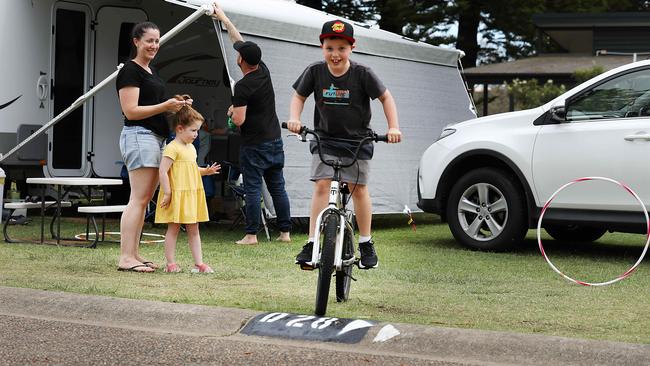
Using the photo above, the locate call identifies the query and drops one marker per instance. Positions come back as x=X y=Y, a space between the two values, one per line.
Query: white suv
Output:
x=489 y=177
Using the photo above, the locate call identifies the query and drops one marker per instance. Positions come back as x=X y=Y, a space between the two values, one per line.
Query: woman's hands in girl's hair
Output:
x=167 y=198
x=175 y=105
x=212 y=169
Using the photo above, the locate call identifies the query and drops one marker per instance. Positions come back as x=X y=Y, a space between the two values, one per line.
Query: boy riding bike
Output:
x=342 y=92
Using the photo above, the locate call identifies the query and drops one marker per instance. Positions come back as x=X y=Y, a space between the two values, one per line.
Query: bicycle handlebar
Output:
x=304 y=130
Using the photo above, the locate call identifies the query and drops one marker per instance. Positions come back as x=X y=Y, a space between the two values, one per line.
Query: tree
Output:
x=506 y=29
x=316 y=4
x=358 y=10
x=504 y=26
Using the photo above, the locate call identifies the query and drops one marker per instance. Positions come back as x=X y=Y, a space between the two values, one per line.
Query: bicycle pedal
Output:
x=358 y=263
x=306 y=267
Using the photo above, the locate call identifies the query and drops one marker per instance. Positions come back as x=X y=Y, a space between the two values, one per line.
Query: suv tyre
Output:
x=486 y=210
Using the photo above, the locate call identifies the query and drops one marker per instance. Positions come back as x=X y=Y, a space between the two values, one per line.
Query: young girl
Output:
x=182 y=198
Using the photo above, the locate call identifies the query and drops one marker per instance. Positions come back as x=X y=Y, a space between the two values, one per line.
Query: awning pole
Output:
x=203 y=10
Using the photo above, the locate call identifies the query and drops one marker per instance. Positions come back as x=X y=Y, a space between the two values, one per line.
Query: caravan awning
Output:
x=286 y=20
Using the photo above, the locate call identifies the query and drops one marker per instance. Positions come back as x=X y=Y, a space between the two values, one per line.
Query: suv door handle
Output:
x=639 y=136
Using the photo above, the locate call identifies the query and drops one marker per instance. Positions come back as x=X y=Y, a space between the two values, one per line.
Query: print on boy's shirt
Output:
x=336 y=96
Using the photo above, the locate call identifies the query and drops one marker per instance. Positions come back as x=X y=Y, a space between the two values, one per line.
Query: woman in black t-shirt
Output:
x=141 y=92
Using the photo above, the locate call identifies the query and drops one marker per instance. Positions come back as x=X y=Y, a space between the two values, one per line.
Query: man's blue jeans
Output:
x=258 y=163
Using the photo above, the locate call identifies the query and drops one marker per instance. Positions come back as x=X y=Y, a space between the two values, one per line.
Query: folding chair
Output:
x=234 y=183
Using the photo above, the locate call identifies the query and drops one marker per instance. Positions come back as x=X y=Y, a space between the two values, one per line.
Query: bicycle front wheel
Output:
x=326 y=265
x=344 y=277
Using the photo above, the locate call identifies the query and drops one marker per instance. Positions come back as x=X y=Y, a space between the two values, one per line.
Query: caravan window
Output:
x=69 y=81
x=124 y=46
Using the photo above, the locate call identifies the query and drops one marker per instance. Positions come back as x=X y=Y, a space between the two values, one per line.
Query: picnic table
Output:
x=59 y=183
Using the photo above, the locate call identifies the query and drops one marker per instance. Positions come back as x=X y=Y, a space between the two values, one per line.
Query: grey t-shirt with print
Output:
x=342 y=103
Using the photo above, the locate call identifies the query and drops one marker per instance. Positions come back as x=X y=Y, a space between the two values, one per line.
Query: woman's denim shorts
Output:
x=140 y=148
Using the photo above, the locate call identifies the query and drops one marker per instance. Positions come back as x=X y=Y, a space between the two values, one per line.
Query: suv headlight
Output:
x=446 y=132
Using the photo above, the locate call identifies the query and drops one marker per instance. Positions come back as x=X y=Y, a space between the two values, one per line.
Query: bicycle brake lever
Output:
x=299 y=136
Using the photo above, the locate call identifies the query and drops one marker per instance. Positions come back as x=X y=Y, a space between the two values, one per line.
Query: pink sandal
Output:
x=202 y=268
x=172 y=268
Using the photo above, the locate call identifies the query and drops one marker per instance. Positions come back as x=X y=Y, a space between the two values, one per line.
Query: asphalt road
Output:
x=53 y=328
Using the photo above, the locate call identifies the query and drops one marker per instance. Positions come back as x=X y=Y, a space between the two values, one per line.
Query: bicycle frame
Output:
x=335 y=207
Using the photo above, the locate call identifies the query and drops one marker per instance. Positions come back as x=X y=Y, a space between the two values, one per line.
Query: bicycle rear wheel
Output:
x=326 y=265
x=344 y=277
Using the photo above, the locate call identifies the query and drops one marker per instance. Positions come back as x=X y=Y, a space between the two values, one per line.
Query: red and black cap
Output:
x=337 y=28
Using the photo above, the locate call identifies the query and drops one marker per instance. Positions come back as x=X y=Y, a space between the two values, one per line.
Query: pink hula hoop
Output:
x=626 y=273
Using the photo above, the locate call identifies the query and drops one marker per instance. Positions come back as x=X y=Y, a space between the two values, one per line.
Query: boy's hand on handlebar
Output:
x=394 y=135
x=294 y=125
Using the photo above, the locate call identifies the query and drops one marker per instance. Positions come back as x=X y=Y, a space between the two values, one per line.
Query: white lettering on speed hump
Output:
x=308 y=327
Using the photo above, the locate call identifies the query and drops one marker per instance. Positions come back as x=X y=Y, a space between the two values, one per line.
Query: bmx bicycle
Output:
x=334 y=254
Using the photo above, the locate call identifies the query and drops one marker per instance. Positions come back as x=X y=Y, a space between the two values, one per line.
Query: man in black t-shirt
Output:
x=261 y=155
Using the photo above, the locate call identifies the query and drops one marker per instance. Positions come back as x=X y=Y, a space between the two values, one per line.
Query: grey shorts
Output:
x=140 y=148
x=356 y=174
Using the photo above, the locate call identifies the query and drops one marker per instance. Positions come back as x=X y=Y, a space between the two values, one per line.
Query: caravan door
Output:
x=112 y=47
x=67 y=141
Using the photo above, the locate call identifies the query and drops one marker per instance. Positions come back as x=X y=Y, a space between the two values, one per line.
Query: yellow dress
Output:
x=188 y=205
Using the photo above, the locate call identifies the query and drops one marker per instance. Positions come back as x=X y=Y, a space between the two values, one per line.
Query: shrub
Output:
x=530 y=94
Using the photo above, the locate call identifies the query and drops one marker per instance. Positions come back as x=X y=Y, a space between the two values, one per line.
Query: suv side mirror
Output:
x=558 y=114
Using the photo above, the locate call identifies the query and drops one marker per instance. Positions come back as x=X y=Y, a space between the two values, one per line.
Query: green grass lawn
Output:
x=424 y=277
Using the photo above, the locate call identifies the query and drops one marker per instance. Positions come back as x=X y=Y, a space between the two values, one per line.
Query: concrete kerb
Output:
x=153 y=316
x=433 y=343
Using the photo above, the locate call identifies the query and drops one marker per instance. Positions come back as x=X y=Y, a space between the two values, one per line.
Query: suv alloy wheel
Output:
x=486 y=210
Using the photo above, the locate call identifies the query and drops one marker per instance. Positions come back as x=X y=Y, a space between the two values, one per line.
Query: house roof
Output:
x=589 y=20
x=542 y=67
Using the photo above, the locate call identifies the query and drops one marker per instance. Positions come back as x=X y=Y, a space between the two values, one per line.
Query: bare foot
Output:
x=172 y=268
x=284 y=237
x=248 y=239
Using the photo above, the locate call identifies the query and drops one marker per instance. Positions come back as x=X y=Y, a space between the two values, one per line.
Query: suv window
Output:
x=622 y=97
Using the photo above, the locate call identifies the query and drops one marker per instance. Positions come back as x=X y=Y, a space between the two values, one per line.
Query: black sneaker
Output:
x=305 y=254
x=368 y=255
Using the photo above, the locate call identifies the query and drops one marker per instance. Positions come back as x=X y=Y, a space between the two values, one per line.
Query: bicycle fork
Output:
x=331 y=209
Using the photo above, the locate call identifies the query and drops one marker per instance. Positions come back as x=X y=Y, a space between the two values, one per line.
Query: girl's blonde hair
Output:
x=186 y=115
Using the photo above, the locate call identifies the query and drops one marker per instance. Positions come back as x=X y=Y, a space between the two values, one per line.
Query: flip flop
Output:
x=133 y=269
x=151 y=265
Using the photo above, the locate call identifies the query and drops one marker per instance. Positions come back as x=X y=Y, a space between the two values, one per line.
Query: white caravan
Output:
x=58 y=50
